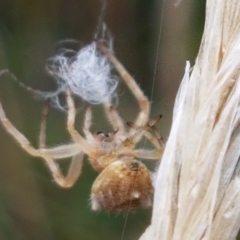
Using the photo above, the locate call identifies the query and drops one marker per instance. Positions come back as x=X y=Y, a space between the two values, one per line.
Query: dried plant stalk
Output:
x=197 y=192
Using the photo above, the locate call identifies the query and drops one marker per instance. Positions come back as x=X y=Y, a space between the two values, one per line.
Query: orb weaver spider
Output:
x=124 y=182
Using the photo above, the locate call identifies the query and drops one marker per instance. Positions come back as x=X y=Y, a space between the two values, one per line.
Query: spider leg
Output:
x=82 y=143
x=150 y=154
x=19 y=137
x=155 y=139
x=114 y=118
x=74 y=171
x=87 y=124
x=154 y=154
x=158 y=137
x=143 y=102
x=60 y=152
x=67 y=150
x=43 y=124
x=75 y=164
x=88 y=119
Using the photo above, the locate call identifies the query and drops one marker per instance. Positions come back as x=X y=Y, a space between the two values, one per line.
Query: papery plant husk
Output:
x=197 y=188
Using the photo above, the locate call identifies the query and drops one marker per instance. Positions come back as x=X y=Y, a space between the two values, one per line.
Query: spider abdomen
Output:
x=122 y=186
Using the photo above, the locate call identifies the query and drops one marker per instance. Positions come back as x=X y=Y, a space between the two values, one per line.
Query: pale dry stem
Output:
x=197 y=192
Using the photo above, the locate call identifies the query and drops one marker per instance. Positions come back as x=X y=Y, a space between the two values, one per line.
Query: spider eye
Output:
x=101 y=136
x=100 y=133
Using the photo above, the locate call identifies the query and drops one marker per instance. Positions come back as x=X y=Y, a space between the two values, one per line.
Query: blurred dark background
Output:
x=32 y=206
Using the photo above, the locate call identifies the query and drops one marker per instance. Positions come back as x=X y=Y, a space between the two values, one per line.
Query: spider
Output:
x=124 y=182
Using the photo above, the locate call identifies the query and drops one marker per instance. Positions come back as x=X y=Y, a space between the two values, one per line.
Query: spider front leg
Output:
x=155 y=139
x=143 y=102
x=87 y=123
x=43 y=123
x=77 y=138
x=114 y=118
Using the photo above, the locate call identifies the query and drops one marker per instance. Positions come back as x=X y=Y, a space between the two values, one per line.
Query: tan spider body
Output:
x=124 y=183
x=121 y=186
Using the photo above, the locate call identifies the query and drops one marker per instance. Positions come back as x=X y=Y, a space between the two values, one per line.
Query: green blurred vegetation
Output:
x=32 y=206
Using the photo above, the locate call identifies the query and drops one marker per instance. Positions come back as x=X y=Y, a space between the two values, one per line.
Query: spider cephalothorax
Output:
x=124 y=182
